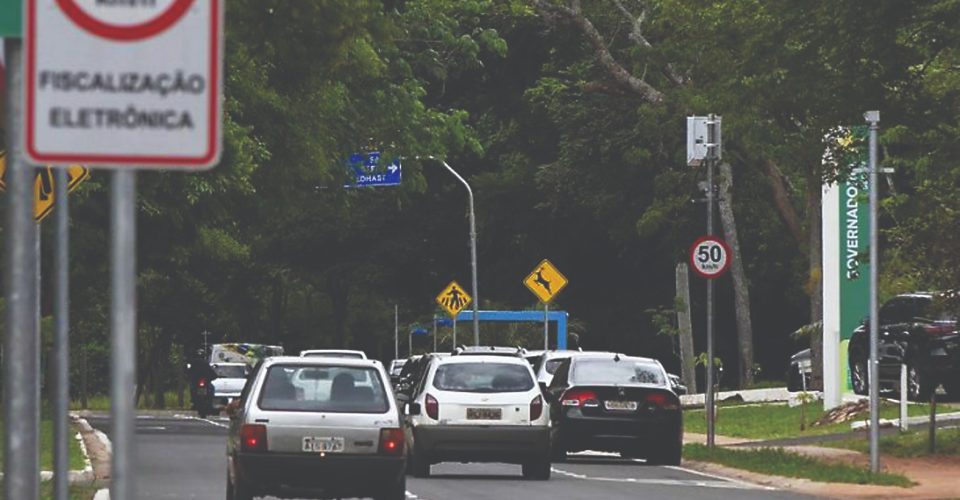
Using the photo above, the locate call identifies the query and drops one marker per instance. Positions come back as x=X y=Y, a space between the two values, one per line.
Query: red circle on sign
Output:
x=125 y=33
x=726 y=260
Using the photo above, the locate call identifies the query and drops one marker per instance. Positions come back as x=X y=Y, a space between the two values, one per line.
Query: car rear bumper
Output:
x=332 y=474
x=495 y=443
x=575 y=433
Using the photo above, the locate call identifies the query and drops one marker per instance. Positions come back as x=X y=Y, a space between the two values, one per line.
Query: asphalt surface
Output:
x=183 y=457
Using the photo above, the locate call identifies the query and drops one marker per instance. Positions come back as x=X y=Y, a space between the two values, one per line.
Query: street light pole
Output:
x=473 y=251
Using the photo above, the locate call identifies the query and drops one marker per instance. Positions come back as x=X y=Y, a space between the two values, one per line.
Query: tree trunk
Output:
x=815 y=281
x=740 y=286
x=688 y=358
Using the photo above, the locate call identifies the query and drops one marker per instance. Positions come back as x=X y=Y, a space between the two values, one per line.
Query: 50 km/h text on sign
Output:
x=124 y=83
x=710 y=257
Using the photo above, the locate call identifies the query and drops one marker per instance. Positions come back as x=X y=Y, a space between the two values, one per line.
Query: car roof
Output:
x=228 y=364
x=319 y=361
x=332 y=351
x=571 y=353
x=478 y=358
x=611 y=355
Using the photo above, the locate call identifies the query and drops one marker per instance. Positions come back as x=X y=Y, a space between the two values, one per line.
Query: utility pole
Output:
x=873 y=118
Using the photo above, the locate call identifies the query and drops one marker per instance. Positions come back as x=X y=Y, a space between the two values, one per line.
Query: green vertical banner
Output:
x=854 y=241
x=11 y=18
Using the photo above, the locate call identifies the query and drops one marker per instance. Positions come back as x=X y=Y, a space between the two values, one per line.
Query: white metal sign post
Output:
x=124 y=85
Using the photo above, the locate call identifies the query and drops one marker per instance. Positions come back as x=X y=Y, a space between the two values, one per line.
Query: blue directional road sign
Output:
x=368 y=170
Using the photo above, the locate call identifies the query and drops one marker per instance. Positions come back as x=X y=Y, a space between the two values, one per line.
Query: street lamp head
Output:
x=872 y=116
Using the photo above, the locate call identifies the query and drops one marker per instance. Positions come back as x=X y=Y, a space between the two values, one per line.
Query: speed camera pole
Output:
x=711 y=154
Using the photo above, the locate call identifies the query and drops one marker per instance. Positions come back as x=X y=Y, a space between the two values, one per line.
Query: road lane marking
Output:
x=211 y=422
x=721 y=478
x=724 y=484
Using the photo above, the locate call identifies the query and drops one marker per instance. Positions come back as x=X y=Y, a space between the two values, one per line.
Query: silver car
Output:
x=310 y=427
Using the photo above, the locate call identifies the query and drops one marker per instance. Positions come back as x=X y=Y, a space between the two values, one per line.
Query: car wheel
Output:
x=858 y=377
x=419 y=465
x=667 y=454
x=396 y=491
x=237 y=490
x=538 y=471
x=919 y=387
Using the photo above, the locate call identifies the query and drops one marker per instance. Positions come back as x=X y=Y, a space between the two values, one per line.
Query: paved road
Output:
x=181 y=457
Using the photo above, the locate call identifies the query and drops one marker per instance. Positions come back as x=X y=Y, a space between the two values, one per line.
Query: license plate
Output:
x=322 y=444
x=483 y=413
x=620 y=405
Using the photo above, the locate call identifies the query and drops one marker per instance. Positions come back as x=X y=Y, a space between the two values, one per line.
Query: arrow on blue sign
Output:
x=368 y=171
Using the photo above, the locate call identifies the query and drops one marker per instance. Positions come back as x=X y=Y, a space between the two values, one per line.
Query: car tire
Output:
x=794 y=383
x=396 y=491
x=858 y=377
x=668 y=454
x=236 y=490
x=419 y=465
x=919 y=386
x=537 y=471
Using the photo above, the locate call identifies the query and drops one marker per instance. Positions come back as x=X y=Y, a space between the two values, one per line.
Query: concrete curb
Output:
x=748 y=396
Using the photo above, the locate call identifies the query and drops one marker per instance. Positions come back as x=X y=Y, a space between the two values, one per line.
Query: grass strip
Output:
x=46 y=447
x=907 y=445
x=777 y=421
x=777 y=462
x=77 y=491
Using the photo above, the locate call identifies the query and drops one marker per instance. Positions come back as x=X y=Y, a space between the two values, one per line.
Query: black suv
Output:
x=919 y=329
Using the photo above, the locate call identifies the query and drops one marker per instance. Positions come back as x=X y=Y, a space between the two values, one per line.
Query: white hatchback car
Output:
x=478 y=409
x=334 y=353
x=340 y=437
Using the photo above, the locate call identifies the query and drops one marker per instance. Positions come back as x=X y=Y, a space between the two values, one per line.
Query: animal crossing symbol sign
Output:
x=545 y=281
x=453 y=299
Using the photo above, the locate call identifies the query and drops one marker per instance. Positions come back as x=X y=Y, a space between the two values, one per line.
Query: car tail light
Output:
x=941 y=328
x=202 y=382
x=580 y=398
x=536 y=408
x=433 y=407
x=391 y=442
x=253 y=437
x=663 y=401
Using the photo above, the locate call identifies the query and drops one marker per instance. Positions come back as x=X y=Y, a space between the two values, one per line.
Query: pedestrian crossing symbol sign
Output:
x=545 y=281
x=453 y=299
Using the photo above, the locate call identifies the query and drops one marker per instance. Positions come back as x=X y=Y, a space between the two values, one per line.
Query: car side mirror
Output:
x=402 y=398
x=413 y=409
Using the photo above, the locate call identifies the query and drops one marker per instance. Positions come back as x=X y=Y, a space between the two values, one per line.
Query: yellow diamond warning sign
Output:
x=43 y=197
x=545 y=281
x=453 y=299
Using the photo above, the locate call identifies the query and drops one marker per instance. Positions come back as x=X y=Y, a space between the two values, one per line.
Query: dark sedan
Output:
x=615 y=403
x=916 y=329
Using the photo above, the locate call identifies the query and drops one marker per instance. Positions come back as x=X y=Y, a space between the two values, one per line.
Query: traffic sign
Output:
x=124 y=84
x=710 y=257
x=368 y=171
x=545 y=281
x=11 y=19
x=43 y=197
x=453 y=299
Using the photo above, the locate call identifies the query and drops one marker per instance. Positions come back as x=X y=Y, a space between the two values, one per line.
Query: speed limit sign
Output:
x=710 y=257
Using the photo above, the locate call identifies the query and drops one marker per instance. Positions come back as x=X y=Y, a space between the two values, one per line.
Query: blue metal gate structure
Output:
x=558 y=317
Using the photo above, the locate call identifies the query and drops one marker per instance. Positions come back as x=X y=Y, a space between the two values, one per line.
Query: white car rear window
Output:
x=483 y=377
x=335 y=389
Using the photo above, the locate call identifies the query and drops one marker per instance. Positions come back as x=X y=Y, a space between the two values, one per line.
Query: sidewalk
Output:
x=936 y=477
